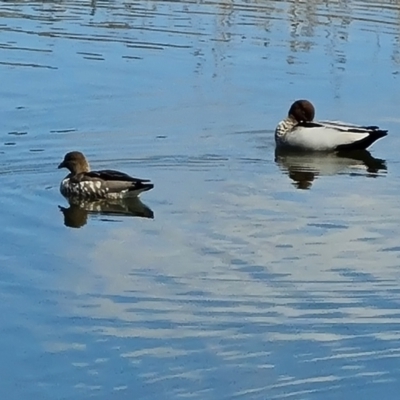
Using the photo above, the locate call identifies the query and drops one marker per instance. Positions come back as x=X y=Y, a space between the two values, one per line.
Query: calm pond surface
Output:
x=245 y=274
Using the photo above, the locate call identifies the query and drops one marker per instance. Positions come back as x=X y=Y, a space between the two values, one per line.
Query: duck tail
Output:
x=147 y=186
x=139 y=187
x=364 y=143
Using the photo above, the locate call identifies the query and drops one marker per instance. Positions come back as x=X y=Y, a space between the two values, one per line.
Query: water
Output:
x=247 y=274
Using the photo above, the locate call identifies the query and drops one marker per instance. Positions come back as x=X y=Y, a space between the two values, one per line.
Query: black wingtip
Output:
x=142 y=186
x=148 y=186
x=363 y=143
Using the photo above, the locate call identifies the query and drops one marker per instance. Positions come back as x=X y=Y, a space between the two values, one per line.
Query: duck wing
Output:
x=116 y=181
x=333 y=136
x=112 y=175
x=346 y=126
x=111 y=181
x=371 y=134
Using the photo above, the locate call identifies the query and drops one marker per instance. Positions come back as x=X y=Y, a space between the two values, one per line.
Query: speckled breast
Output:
x=85 y=189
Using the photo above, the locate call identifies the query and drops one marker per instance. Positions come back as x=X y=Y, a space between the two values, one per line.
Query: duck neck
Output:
x=285 y=126
x=81 y=168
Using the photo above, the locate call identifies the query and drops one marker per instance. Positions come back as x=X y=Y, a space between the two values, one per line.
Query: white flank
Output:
x=324 y=138
x=317 y=138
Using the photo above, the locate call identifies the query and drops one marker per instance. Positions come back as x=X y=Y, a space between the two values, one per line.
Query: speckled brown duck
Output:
x=92 y=185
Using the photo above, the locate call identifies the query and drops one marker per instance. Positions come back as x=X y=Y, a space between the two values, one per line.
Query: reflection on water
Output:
x=304 y=168
x=243 y=287
x=76 y=215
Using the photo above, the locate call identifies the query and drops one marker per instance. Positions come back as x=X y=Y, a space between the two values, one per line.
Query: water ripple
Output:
x=242 y=286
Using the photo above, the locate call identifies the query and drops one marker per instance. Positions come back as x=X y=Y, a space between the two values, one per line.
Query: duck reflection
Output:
x=76 y=215
x=304 y=168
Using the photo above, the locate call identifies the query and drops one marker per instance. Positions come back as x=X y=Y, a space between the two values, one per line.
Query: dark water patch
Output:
x=9 y=47
x=17 y=64
x=94 y=58
x=63 y=130
x=366 y=239
x=394 y=249
x=18 y=133
x=133 y=57
x=159 y=45
x=111 y=25
x=85 y=53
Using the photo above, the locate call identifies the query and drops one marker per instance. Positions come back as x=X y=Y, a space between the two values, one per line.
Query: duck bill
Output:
x=62 y=165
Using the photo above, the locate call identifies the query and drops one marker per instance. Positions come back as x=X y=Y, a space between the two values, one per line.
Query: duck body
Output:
x=299 y=132
x=83 y=183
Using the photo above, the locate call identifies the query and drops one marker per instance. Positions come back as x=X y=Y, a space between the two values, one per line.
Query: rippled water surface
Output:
x=245 y=273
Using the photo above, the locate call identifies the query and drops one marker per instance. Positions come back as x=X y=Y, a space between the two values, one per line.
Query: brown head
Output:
x=75 y=162
x=302 y=111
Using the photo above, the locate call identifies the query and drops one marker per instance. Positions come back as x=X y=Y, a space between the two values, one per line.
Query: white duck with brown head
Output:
x=299 y=132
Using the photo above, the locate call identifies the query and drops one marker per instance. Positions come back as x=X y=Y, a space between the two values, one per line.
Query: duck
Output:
x=299 y=131
x=83 y=183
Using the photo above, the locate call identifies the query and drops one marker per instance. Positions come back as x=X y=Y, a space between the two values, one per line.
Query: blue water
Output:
x=259 y=276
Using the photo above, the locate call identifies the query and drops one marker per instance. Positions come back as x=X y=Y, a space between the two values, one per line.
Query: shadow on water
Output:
x=304 y=168
x=76 y=215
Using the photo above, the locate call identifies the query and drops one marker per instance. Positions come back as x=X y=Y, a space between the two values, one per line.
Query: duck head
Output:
x=75 y=162
x=302 y=111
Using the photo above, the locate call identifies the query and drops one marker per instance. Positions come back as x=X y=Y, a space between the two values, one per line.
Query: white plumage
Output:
x=299 y=131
